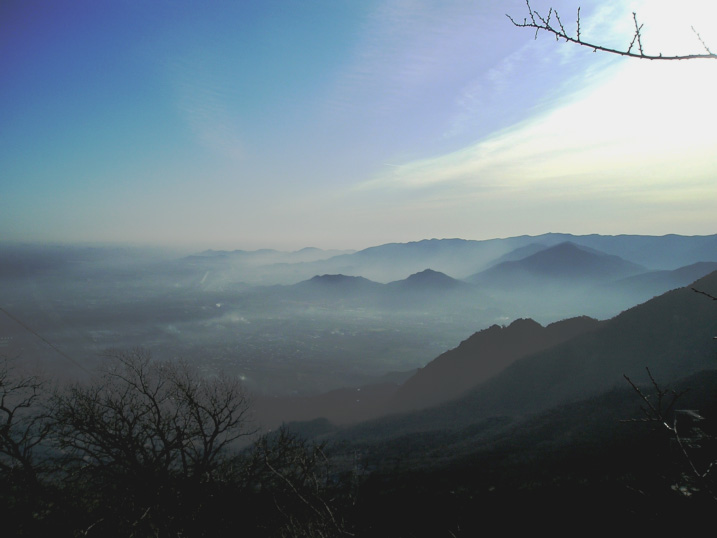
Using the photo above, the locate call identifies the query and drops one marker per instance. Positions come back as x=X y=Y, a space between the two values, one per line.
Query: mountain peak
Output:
x=428 y=279
x=337 y=279
x=429 y=275
x=565 y=260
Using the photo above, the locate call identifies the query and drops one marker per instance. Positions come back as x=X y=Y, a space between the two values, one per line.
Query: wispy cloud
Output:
x=635 y=132
x=531 y=74
x=406 y=47
x=203 y=102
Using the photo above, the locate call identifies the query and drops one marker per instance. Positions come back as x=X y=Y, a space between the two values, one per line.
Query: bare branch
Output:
x=540 y=23
x=301 y=469
x=659 y=413
x=22 y=422
x=701 y=40
x=142 y=416
x=638 y=35
x=562 y=28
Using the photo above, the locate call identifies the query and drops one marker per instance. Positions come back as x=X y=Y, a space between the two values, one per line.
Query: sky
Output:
x=346 y=124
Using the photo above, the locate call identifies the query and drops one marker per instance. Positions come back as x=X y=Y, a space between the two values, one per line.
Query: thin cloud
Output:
x=203 y=103
x=636 y=131
x=404 y=48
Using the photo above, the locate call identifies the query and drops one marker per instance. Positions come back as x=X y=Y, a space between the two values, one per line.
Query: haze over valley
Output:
x=310 y=321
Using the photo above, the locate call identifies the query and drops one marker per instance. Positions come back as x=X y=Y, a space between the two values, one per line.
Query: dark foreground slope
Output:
x=586 y=463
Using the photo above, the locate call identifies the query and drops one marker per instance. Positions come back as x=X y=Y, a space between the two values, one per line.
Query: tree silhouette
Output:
x=553 y=24
x=152 y=448
x=141 y=416
x=146 y=445
x=312 y=502
x=660 y=408
x=22 y=427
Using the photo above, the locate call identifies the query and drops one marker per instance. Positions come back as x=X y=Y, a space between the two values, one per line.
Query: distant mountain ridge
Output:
x=655 y=282
x=457 y=257
x=427 y=287
x=519 y=253
x=563 y=261
x=337 y=280
x=461 y=258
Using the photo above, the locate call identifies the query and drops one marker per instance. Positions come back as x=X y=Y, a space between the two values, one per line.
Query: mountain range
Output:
x=525 y=367
x=671 y=335
x=459 y=258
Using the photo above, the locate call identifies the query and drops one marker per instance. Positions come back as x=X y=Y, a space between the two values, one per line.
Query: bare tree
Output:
x=144 y=446
x=298 y=475
x=22 y=424
x=140 y=416
x=151 y=448
x=660 y=408
x=553 y=24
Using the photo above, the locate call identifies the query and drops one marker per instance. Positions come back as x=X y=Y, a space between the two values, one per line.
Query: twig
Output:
x=535 y=20
x=658 y=413
x=638 y=35
x=701 y=40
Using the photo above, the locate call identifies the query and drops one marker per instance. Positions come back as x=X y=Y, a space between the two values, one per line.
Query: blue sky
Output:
x=346 y=124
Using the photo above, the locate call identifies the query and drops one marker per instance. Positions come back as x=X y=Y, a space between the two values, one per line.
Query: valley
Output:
x=288 y=324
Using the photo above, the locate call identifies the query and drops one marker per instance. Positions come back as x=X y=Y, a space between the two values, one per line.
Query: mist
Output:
x=312 y=320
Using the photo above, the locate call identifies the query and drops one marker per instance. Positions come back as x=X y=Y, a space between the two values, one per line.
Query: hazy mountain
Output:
x=520 y=253
x=647 y=285
x=671 y=334
x=480 y=357
x=564 y=262
x=462 y=258
x=457 y=257
x=343 y=282
x=392 y=261
x=624 y=293
x=329 y=290
x=383 y=263
x=656 y=252
x=339 y=286
x=428 y=280
x=431 y=290
x=558 y=282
